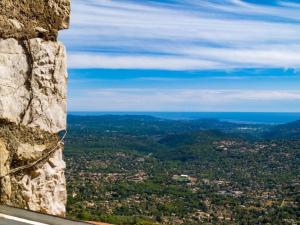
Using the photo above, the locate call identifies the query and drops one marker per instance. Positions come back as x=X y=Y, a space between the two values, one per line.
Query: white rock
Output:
x=47 y=192
x=33 y=84
x=33 y=81
x=16 y=24
x=27 y=152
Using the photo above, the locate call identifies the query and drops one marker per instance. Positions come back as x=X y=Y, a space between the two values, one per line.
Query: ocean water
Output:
x=237 y=117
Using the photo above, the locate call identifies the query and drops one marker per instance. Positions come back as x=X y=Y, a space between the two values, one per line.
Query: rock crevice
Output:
x=33 y=82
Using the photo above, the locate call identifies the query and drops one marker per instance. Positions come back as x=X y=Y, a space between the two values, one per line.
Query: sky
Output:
x=184 y=55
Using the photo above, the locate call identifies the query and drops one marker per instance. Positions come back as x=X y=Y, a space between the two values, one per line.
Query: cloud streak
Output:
x=132 y=99
x=183 y=35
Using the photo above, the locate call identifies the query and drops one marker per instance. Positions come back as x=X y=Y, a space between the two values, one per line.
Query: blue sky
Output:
x=184 y=55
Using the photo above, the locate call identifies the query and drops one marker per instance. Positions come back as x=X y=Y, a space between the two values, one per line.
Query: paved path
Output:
x=13 y=216
x=10 y=222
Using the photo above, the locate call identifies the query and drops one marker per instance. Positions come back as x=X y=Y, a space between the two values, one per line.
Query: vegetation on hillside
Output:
x=144 y=170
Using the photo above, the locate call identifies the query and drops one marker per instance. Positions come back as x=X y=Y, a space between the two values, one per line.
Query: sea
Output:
x=236 y=117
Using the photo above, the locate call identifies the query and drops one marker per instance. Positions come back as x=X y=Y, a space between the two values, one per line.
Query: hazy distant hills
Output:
x=150 y=125
x=285 y=131
x=146 y=133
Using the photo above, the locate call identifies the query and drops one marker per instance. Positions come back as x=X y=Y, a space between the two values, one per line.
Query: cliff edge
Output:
x=33 y=81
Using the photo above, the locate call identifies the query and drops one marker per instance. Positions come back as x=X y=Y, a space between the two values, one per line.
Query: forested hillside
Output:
x=144 y=170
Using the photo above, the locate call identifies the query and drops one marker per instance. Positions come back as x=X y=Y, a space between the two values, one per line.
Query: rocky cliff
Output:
x=33 y=82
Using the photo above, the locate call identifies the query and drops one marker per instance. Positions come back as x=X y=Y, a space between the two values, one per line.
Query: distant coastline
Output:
x=236 y=117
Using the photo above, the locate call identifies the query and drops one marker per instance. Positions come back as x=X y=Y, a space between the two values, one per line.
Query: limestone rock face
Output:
x=33 y=83
x=44 y=189
x=25 y=19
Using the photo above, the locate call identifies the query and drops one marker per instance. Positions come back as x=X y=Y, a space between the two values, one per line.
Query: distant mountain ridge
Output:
x=150 y=125
x=128 y=123
x=271 y=118
x=285 y=131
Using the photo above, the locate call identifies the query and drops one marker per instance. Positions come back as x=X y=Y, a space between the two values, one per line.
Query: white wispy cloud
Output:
x=138 y=62
x=131 y=99
x=187 y=34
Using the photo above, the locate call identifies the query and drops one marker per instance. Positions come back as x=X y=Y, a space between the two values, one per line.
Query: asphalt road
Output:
x=10 y=216
x=10 y=222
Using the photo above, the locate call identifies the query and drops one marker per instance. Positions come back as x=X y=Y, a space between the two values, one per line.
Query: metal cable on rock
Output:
x=32 y=164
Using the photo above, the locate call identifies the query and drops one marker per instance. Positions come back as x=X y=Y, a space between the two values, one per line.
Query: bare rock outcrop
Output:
x=25 y=19
x=33 y=82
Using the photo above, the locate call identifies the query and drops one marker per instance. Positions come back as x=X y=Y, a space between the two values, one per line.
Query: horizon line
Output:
x=121 y=111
